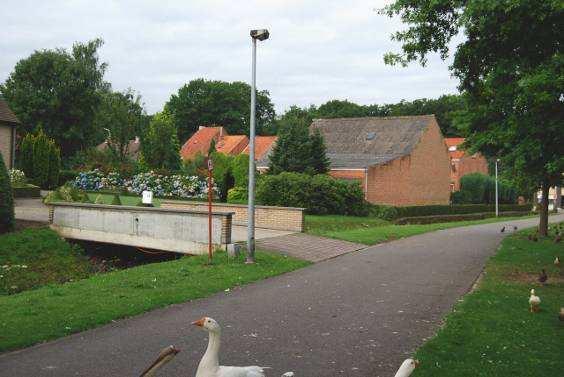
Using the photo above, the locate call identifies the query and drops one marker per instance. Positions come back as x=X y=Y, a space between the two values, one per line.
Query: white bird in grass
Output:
x=534 y=302
x=406 y=368
x=209 y=365
x=164 y=357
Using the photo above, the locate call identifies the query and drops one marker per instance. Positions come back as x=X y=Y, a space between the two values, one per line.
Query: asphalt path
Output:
x=359 y=314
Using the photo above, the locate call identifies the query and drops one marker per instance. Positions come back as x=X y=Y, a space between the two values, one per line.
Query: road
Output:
x=359 y=314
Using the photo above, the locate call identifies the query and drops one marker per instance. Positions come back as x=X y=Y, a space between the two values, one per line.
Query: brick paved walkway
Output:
x=305 y=246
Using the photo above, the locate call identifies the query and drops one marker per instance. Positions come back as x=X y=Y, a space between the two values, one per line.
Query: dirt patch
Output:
x=532 y=278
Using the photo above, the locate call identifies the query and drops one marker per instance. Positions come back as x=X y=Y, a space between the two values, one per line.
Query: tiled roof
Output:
x=453 y=145
x=6 y=115
x=200 y=142
x=263 y=146
x=364 y=142
x=231 y=144
x=133 y=148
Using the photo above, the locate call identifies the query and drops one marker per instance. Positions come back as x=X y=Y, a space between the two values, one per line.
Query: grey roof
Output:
x=363 y=142
x=6 y=115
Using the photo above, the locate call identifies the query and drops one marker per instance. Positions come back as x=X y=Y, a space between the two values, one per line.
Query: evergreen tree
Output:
x=292 y=150
x=6 y=199
x=318 y=152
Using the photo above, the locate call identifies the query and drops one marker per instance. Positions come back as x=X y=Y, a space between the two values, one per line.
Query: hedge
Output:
x=457 y=217
x=480 y=188
x=391 y=213
x=319 y=194
x=27 y=191
x=6 y=199
x=67 y=176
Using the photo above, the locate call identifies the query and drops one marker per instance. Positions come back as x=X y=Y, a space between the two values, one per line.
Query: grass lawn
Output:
x=126 y=200
x=57 y=310
x=35 y=257
x=370 y=231
x=491 y=332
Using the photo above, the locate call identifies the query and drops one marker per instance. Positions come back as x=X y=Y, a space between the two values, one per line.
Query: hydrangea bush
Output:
x=17 y=177
x=180 y=186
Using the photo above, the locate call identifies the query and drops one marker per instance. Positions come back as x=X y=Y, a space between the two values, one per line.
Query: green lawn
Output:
x=35 y=257
x=370 y=231
x=61 y=309
x=491 y=332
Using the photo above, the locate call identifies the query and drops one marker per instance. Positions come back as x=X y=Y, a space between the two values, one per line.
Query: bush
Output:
x=67 y=193
x=458 y=217
x=319 y=194
x=40 y=160
x=67 y=176
x=17 y=177
x=480 y=189
x=6 y=199
x=238 y=195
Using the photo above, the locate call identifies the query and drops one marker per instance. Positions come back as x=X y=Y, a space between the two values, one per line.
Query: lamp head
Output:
x=260 y=34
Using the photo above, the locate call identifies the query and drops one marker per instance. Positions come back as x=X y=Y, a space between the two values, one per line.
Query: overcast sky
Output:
x=318 y=50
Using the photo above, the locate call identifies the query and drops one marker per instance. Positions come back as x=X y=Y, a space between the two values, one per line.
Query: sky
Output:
x=317 y=50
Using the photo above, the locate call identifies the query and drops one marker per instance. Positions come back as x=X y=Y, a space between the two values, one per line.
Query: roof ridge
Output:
x=376 y=117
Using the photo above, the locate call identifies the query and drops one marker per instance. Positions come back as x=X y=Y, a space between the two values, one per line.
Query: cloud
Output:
x=318 y=50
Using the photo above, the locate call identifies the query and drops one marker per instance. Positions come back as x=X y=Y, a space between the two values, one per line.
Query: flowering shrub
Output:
x=17 y=177
x=181 y=186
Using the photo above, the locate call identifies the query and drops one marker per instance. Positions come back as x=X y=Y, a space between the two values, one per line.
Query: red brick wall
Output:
x=467 y=165
x=421 y=178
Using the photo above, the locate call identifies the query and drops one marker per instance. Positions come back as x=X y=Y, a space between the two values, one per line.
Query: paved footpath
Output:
x=359 y=314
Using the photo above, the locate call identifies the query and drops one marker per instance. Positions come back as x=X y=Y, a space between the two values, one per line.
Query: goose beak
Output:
x=416 y=362
x=174 y=350
x=199 y=322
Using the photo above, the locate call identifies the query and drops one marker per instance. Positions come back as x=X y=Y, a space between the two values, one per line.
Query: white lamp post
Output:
x=261 y=35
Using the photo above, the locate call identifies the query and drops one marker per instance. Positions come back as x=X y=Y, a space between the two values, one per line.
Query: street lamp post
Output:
x=496 y=192
x=261 y=35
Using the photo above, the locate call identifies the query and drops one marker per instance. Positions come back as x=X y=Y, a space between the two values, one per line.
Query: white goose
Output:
x=406 y=368
x=209 y=365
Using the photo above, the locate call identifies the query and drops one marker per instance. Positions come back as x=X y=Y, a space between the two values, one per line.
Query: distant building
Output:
x=201 y=141
x=397 y=160
x=8 y=124
x=461 y=163
x=263 y=148
x=133 y=148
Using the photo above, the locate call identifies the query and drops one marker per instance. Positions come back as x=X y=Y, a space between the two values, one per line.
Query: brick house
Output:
x=397 y=160
x=200 y=142
x=462 y=163
x=8 y=124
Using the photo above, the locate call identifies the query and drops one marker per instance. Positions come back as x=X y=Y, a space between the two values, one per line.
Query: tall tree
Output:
x=341 y=109
x=59 y=91
x=298 y=151
x=160 y=148
x=510 y=67
x=204 y=102
x=121 y=115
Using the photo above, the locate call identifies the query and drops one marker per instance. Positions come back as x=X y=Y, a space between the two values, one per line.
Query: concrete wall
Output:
x=6 y=143
x=280 y=218
x=177 y=230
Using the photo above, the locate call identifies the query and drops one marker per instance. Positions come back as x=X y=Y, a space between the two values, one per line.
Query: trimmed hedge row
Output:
x=319 y=194
x=457 y=217
x=390 y=213
x=27 y=191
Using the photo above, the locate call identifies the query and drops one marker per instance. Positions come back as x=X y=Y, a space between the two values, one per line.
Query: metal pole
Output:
x=496 y=192
x=251 y=206
x=210 y=198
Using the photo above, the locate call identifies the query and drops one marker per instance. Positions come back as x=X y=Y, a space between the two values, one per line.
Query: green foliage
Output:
x=59 y=91
x=66 y=193
x=240 y=169
x=6 y=199
x=238 y=195
x=459 y=217
x=229 y=171
x=197 y=166
x=40 y=159
x=205 y=102
x=510 y=66
x=319 y=194
x=121 y=116
x=159 y=146
x=36 y=257
x=116 y=200
x=67 y=176
x=298 y=151
x=107 y=297
x=479 y=188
